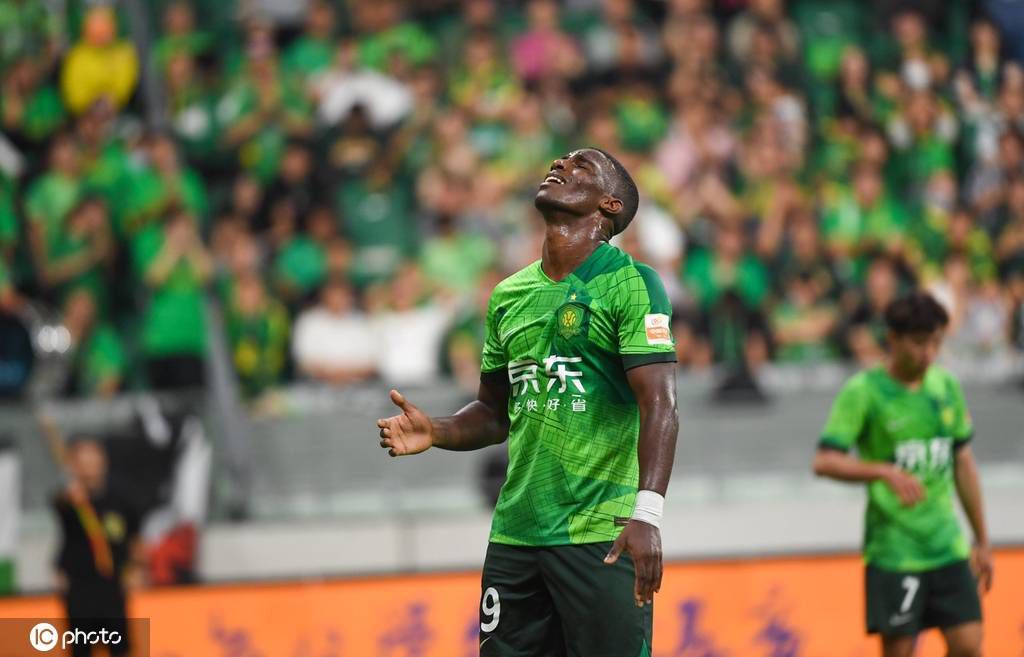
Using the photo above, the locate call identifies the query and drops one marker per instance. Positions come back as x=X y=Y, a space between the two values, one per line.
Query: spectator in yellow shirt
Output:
x=100 y=66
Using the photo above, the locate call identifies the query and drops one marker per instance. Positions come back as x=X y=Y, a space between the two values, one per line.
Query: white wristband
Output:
x=649 y=507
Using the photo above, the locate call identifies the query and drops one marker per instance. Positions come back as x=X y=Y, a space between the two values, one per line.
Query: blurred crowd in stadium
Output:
x=351 y=188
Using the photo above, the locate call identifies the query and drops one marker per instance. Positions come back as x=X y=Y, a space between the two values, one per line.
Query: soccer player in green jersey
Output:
x=910 y=426
x=578 y=375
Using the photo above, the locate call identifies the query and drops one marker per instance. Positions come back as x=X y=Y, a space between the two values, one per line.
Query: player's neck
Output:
x=567 y=246
x=911 y=382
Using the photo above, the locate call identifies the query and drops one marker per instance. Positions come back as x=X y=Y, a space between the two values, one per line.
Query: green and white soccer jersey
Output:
x=919 y=430
x=566 y=346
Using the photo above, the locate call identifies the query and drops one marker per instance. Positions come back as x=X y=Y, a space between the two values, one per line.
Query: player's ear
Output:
x=610 y=205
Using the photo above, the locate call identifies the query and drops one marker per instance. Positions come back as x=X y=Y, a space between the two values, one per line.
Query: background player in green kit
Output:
x=911 y=428
x=578 y=375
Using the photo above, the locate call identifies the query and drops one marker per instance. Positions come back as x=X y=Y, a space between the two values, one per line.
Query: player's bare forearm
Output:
x=654 y=386
x=482 y=422
x=968 y=488
x=841 y=466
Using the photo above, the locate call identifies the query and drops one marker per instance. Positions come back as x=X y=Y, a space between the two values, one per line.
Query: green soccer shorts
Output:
x=561 y=601
x=904 y=603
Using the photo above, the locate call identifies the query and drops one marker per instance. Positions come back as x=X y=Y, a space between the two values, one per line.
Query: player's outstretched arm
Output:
x=480 y=423
x=841 y=466
x=968 y=488
x=654 y=386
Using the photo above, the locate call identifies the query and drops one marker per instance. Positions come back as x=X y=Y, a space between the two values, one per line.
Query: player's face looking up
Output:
x=913 y=353
x=576 y=185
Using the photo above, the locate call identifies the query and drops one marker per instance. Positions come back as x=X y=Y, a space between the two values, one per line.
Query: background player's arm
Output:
x=654 y=387
x=968 y=488
x=480 y=423
x=847 y=421
x=842 y=466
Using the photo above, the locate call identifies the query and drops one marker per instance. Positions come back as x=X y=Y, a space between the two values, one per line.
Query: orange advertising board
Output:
x=786 y=607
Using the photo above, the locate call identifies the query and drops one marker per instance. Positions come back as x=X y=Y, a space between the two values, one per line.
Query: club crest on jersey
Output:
x=569 y=320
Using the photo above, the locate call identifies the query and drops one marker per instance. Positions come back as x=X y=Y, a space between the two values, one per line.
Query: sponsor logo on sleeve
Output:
x=656 y=327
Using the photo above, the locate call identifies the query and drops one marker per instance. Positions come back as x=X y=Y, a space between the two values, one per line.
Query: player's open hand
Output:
x=643 y=542
x=905 y=485
x=981 y=562
x=406 y=433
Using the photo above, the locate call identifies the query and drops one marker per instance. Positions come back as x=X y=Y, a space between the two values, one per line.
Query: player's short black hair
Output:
x=916 y=312
x=622 y=187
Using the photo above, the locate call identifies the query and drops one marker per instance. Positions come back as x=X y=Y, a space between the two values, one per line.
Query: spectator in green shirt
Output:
x=803 y=322
x=922 y=134
x=940 y=228
x=929 y=227
x=104 y=156
x=257 y=327
x=51 y=196
x=260 y=111
x=455 y=258
x=708 y=273
x=98 y=360
x=967 y=237
x=236 y=253
x=29 y=28
x=373 y=199
x=387 y=36
x=30 y=108
x=191 y=109
x=484 y=85
x=174 y=266
x=475 y=16
x=81 y=253
x=162 y=185
x=180 y=36
x=313 y=52
x=300 y=263
x=106 y=163
x=377 y=219
x=862 y=219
